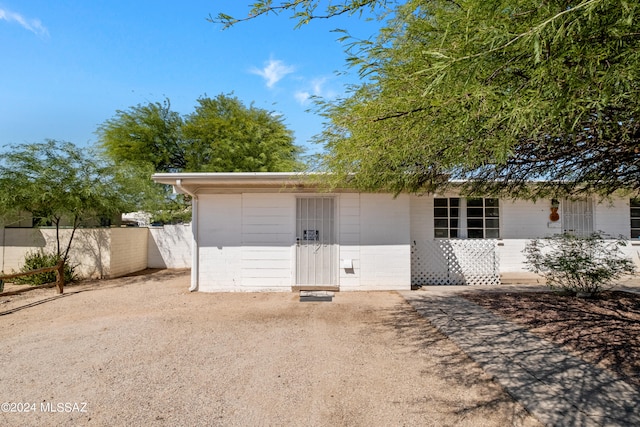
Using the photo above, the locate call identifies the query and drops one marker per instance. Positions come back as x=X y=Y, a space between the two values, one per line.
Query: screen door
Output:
x=316 y=262
x=577 y=217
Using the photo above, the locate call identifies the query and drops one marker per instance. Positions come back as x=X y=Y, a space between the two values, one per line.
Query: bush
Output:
x=584 y=265
x=35 y=260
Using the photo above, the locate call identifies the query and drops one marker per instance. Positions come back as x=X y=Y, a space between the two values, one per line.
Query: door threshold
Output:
x=330 y=288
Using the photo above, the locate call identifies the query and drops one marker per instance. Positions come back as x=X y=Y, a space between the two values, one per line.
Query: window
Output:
x=446 y=213
x=473 y=218
x=635 y=218
x=483 y=219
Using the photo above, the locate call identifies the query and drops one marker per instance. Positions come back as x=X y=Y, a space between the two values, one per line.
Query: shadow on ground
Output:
x=419 y=336
x=555 y=386
x=38 y=295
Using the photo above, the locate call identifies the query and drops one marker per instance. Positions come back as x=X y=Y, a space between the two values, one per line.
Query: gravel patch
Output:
x=142 y=351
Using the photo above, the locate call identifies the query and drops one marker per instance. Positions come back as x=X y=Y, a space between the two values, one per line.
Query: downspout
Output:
x=195 y=253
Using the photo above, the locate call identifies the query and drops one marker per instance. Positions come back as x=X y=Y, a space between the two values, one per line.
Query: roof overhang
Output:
x=194 y=183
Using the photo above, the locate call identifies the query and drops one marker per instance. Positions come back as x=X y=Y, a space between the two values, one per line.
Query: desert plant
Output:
x=583 y=265
x=39 y=259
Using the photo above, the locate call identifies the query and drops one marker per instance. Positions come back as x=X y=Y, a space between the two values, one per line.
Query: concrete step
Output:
x=310 y=296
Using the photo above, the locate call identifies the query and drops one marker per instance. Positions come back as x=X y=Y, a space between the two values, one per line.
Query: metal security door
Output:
x=316 y=262
x=577 y=217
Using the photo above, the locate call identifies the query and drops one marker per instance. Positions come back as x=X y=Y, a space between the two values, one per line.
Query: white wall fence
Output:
x=102 y=252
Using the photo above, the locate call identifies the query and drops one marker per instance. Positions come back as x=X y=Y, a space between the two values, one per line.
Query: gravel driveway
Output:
x=143 y=351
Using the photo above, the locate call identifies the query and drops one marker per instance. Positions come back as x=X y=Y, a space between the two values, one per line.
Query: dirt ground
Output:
x=603 y=331
x=142 y=351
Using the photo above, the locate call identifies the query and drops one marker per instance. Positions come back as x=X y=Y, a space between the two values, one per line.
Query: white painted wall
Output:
x=220 y=242
x=129 y=249
x=247 y=241
x=268 y=236
x=521 y=221
x=385 y=253
x=613 y=217
x=169 y=246
x=349 y=240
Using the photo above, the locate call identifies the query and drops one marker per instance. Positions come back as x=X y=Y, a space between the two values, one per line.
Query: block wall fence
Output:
x=102 y=252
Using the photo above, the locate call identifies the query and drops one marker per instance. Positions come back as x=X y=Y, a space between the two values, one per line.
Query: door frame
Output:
x=335 y=271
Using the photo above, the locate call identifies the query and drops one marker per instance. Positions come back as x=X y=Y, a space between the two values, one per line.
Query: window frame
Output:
x=483 y=211
x=634 y=208
x=477 y=218
x=452 y=217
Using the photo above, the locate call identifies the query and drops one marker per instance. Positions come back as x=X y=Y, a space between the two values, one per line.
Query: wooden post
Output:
x=58 y=268
x=60 y=276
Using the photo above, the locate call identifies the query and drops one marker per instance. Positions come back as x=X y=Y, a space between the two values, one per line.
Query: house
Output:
x=278 y=232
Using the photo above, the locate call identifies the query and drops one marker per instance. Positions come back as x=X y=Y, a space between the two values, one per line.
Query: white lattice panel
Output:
x=455 y=262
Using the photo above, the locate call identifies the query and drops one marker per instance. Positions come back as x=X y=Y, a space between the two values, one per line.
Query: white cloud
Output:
x=302 y=97
x=316 y=88
x=33 y=25
x=273 y=71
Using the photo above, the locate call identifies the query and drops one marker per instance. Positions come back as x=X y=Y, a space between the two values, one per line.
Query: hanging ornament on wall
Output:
x=554 y=216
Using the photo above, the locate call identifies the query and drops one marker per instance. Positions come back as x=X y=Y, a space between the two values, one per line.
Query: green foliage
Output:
x=497 y=93
x=575 y=264
x=221 y=135
x=57 y=180
x=304 y=11
x=149 y=133
x=226 y=136
x=39 y=259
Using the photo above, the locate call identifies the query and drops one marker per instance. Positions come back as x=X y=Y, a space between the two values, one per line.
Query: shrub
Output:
x=35 y=260
x=585 y=265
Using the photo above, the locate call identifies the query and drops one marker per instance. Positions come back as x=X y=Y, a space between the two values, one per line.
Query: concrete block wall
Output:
x=129 y=248
x=95 y=252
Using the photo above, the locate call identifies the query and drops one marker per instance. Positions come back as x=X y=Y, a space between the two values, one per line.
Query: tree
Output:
x=57 y=181
x=303 y=10
x=226 y=136
x=146 y=134
x=497 y=93
x=222 y=135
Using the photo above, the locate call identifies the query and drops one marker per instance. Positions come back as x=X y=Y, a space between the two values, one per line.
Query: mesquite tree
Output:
x=58 y=182
x=494 y=92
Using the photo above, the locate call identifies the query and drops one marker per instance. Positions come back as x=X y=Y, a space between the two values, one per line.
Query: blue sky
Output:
x=67 y=65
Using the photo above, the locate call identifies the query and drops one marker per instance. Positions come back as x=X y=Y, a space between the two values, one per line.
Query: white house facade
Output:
x=277 y=232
